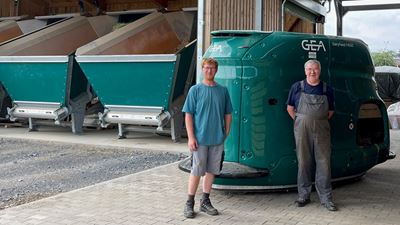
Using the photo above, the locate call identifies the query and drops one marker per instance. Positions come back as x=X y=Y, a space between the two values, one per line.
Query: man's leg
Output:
x=323 y=166
x=323 y=172
x=207 y=182
x=304 y=154
x=214 y=159
x=193 y=184
x=199 y=158
x=304 y=175
x=192 y=188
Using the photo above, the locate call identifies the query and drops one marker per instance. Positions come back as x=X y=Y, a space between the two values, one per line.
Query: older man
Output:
x=311 y=105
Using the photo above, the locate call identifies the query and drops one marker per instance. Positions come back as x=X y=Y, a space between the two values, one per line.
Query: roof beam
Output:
x=311 y=6
x=342 y=10
x=371 y=7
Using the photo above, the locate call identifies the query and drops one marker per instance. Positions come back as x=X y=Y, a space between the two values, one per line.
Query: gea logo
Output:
x=312 y=45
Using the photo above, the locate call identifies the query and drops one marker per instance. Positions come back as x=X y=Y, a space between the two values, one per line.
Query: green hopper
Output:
x=141 y=73
x=10 y=29
x=39 y=72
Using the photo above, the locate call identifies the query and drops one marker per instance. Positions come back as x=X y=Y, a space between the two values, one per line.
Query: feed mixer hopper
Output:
x=142 y=71
x=40 y=74
x=10 y=29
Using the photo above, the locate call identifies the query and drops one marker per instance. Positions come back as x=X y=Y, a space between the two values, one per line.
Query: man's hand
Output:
x=192 y=143
x=291 y=111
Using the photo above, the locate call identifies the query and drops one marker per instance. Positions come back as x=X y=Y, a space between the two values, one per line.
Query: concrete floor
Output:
x=157 y=196
x=108 y=137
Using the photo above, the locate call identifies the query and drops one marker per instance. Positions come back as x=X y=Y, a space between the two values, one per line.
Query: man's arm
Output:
x=192 y=141
x=290 y=110
x=228 y=122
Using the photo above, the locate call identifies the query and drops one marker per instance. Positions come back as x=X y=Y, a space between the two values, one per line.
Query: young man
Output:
x=208 y=119
x=311 y=105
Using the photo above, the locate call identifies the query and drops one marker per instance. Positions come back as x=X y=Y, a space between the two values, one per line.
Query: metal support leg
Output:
x=77 y=122
x=176 y=127
x=32 y=126
x=121 y=132
x=77 y=116
x=78 y=107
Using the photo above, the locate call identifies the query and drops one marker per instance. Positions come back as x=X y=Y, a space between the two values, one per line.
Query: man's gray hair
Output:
x=312 y=61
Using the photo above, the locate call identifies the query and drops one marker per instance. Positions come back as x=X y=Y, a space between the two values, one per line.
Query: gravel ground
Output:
x=30 y=170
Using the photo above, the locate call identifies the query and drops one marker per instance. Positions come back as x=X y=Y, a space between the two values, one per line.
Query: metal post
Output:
x=339 y=17
x=16 y=7
x=258 y=23
x=283 y=16
x=200 y=39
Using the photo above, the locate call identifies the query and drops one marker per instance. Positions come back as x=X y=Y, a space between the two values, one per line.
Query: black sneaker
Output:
x=302 y=202
x=330 y=206
x=188 y=210
x=205 y=206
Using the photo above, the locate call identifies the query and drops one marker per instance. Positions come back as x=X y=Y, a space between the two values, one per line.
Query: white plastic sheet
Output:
x=394 y=115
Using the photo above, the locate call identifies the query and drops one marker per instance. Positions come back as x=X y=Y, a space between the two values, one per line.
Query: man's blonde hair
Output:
x=211 y=61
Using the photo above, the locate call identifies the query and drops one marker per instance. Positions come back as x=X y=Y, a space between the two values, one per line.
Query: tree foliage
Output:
x=384 y=58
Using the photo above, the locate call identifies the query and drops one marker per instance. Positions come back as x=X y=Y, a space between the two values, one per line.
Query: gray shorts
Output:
x=207 y=159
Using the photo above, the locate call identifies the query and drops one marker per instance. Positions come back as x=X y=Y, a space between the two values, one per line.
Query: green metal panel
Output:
x=35 y=81
x=229 y=49
x=229 y=75
x=131 y=83
x=351 y=70
x=259 y=76
x=182 y=72
x=266 y=83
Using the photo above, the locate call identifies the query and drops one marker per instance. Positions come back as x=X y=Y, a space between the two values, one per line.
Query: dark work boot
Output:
x=301 y=202
x=188 y=210
x=329 y=205
x=205 y=206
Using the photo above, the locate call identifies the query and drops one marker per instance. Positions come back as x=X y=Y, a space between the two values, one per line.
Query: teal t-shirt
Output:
x=208 y=105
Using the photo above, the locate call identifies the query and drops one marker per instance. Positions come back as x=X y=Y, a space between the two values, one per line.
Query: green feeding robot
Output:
x=258 y=68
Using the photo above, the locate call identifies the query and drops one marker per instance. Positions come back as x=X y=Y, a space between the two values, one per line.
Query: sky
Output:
x=380 y=29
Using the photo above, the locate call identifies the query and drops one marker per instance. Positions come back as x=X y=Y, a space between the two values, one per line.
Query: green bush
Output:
x=384 y=58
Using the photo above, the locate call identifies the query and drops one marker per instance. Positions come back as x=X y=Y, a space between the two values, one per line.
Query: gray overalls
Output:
x=312 y=134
